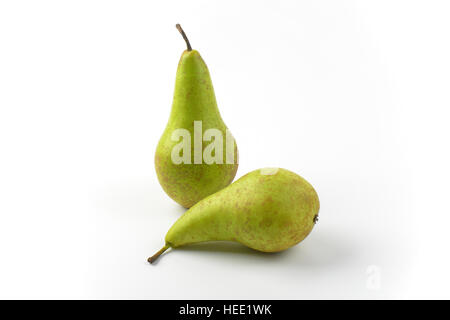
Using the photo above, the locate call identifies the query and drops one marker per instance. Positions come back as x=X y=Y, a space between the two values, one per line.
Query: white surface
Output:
x=352 y=95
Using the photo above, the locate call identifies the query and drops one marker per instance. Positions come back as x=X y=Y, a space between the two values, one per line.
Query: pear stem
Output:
x=189 y=48
x=156 y=255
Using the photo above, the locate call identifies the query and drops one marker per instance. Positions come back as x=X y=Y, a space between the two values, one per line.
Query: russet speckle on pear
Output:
x=267 y=210
x=194 y=100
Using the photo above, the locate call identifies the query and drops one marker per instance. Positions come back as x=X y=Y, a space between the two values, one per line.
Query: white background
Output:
x=352 y=95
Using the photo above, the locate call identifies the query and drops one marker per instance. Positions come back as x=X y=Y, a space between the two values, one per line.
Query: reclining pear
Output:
x=268 y=210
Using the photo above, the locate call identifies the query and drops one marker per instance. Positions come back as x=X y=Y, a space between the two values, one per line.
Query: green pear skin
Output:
x=268 y=210
x=193 y=100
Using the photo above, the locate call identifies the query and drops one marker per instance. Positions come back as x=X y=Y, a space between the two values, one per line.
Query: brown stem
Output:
x=156 y=255
x=189 y=48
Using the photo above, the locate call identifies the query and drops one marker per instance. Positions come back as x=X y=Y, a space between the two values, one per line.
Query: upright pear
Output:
x=268 y=210
x=196 y=155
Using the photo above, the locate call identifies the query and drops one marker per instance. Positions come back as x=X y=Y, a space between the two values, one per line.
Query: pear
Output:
x=191 y=170
x=268 y=210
